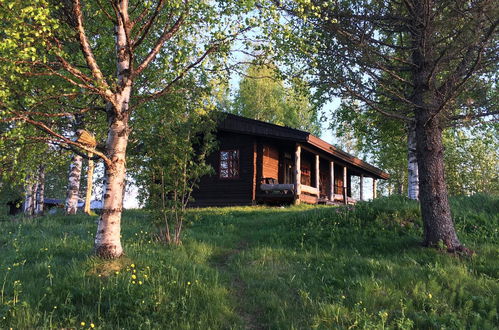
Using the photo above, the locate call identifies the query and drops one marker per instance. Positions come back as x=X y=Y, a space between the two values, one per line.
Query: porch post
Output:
x=297 y=174
x=362 y=187
x=317 y=174
x=345 y=186
x=331 y=179
x=374 y=188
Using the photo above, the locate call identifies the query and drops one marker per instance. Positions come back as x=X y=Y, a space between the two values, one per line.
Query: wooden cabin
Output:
x=257 y=162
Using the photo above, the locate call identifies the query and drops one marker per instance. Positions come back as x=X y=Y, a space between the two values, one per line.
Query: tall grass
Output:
x=256 y=267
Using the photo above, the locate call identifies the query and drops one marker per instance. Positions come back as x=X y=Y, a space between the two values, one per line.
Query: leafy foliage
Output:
x=263 y=95
x=170 y=156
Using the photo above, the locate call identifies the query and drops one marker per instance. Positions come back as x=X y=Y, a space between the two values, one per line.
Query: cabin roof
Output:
x=242 y=125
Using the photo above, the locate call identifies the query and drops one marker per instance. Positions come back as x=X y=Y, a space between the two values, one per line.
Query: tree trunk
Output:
x=29 y=202
x=73 y=184
x=90 y=181
x=435 y=209
x=107 y=239
x=40 y=193
x=412 y=162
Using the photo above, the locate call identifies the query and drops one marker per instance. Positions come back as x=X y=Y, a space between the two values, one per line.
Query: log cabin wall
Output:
x=215 y=191
x=270 y=167
x=324 y=177
x=338 y=179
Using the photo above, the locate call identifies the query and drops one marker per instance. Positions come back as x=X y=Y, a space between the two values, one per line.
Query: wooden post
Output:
x=331 y=179
x=317 y=172
x=362 y=187
x=297 y=174
x=345 y=189
x=374 y=188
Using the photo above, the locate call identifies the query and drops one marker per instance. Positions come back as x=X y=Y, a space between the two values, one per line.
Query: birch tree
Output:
x=421 y=54
x=73 y=190
x=110 y=58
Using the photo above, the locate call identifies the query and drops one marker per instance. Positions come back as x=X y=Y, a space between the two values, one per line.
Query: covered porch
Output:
x=303 y=174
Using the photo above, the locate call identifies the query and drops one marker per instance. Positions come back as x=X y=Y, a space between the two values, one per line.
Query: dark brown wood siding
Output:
x=270 y=162
x=325 y=180
x=214 y=191
x=338 y=179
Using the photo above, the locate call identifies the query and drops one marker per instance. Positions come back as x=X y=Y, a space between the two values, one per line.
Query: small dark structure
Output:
x=15 y=206
x=258 y=162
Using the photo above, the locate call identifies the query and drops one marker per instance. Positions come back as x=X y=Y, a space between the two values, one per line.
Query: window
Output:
x=229 y=164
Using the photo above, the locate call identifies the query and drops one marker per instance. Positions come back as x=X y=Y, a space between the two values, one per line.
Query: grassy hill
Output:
x=293 y=267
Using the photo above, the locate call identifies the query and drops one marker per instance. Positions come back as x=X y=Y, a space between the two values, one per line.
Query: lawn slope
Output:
x=293 y=267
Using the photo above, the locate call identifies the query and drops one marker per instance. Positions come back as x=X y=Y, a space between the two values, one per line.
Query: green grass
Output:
x=279 y=268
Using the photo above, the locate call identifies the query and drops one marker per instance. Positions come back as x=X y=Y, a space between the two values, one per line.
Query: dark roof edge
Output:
x=301 y=136
x=329 y=148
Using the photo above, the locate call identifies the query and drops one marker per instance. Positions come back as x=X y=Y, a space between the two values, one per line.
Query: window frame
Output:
x=229 y=162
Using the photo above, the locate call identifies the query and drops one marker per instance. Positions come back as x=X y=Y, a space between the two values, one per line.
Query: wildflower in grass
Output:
x=134 y=271
x=134 y=276
x=140 y=282
x=92 y=325
x=133 y=282
x=430 y=296
x=82 y=324
x=343 y=297
x=188 y=283
x=145 y=276
x=116 y=272
x=55 y=307
x=132 y=265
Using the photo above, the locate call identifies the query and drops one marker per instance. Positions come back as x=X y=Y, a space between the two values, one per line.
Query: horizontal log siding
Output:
x=213 y=191
x=270 y=162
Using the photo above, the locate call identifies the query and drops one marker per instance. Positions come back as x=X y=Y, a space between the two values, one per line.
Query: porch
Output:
x=305 y=175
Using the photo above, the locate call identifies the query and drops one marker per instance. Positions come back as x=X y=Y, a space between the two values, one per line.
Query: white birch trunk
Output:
x=73 y=184
x=107 y=238
x=29 y=202
x=40 y=193
x=90 y=181
x=412 y=164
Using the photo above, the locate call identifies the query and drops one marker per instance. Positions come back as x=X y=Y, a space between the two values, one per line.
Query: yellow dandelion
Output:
x=343 y=297
x=429 y=295
x=92 y=325
x=132 y=265
x=134 y=276
x=82 y=324
x=133 y=282
x=116 y=272
x=140 y=282
x=134 y=271
x=145 y=275
x=188 y=283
